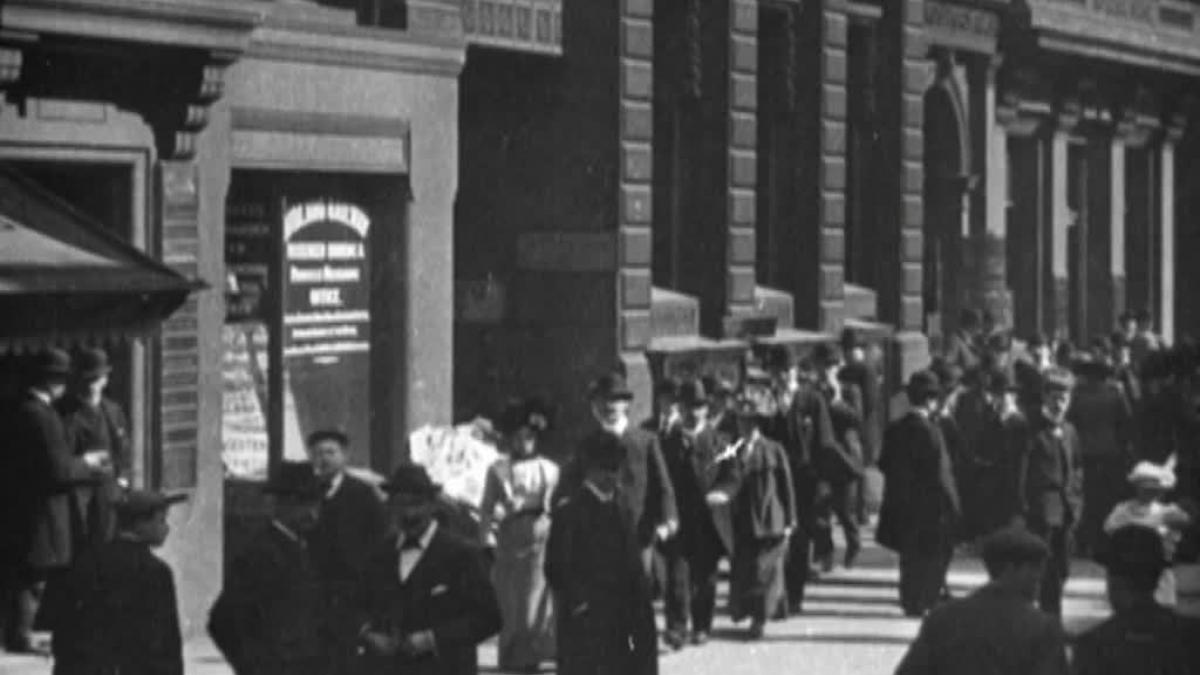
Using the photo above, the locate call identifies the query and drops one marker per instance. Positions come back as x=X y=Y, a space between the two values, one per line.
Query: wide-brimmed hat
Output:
x=51 y=362
x=692 y=394
x=922 y=386
x=1148 y=474
x=531 y=412
x=91 y=364
x=296 y=480
x=411 y=480
x=610 y=387
x=135 y=505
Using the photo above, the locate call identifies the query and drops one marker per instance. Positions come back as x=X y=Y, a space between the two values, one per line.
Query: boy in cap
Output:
x=1141 y=636
x=427 y=596
x=1050 y=482
x=603 y=605
x=996 y=629
x=115 y=611
x=269 y=617
x=921 y=507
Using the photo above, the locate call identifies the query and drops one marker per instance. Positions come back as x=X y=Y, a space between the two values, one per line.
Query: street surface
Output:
x=851 y=626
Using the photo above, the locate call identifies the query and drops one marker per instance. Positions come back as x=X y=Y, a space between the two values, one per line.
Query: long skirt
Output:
x=757 y=588
x=527 y=636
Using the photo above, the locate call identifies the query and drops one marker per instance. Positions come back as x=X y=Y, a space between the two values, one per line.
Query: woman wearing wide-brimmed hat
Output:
x=516 y=522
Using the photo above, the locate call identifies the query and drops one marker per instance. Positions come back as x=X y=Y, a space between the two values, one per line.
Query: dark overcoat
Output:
x=448 y=593
x=646 y=489
x=920 y=501
x=992 y=631
x=604 y=610
x=115 y=613
x=759 y=480
x=99 y=427
x=692 y=464
x=47 y=528
x=268 y=617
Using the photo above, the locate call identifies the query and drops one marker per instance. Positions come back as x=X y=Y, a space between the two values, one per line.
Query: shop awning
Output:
x=64 y=278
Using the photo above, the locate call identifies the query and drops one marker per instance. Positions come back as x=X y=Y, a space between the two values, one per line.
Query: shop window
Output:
x=303 y=347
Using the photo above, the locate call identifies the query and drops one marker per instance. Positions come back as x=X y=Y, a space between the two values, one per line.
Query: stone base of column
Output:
x=1058 y=322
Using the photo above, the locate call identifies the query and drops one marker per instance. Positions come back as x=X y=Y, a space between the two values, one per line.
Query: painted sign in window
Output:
x=326 y=324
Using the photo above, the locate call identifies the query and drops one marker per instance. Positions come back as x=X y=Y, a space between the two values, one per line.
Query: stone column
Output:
x=1166 y=230
x=989 y=229
x=1106 y=177
x=742 y=159
x=1116 y=241
x=1057 y=321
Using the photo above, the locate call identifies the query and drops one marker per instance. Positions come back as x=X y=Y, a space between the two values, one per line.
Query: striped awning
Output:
x=63 y=278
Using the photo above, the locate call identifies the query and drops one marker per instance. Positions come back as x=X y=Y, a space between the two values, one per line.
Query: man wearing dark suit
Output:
x=43 y=526
x=996 y=629
x=603 y=611
x=864 y=374
x=646 y=489
x=116 y=611
x=691 y=453
x=269 y=617
x=803 y=427
x=427 y=598
x=1050 y=482
x=350 y=526
x=920 y=505
x=962 y=349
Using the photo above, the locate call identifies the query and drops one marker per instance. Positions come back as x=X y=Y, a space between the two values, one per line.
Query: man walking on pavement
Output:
x=646 y=489
x=691 y=453
x=996 y=629
x=1050 y=483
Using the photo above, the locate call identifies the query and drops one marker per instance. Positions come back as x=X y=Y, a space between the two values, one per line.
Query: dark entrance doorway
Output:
x=946 y=182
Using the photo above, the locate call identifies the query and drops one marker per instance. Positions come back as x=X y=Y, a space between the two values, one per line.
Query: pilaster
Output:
x=832 y=170
x=1057 y=321
x=742 y=159
x=1173 y=133
x=636 y=74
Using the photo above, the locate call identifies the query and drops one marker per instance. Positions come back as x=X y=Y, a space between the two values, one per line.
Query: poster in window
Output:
x=326 y=325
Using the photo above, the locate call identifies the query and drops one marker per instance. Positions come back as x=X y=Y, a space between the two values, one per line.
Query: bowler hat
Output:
x=668 y=386
x=825 y=355
x=779 y=357
x=91 y=364
x=134 y=505
x=1013 y=545
x=610 y=387
x=850 y=339
x=321 y=435
x=412 y=480
x=604 y=452
x=296 y=480
x=51 y=362
x=997 y=380
x=692 y=394
x=922 y=386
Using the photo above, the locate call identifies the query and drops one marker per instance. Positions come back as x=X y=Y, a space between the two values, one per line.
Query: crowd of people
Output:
x=1029 y=454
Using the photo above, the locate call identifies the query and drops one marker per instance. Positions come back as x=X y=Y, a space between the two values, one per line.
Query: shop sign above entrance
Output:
x=952 y=25
x=520 y=25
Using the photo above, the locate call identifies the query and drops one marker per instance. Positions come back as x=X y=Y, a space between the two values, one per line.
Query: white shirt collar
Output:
x=41 y=396
x=335 y=484
x=424 y=539
x=600 y=495
x=617 y=429
x=287 y=532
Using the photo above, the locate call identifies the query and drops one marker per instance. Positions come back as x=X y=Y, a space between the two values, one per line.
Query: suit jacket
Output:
x=692 y=464
x=1101 y=414
x=803 y=429
x=991 y=632
x=920 y=500
x=604 y=610
x=100 y=427
x=842 y=462
x=49 y=528
x=761 y=486
x=865 y=377
x=115 y=613
x=1050 y=474
x=269 y=616
x=646 y=489
x=447 y=593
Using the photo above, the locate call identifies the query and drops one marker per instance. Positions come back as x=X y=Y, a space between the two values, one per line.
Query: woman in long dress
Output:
x=757 y=484
x=516 y=522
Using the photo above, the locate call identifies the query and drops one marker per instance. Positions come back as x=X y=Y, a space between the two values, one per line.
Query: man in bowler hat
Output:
x=1050 y=482
x=427 y=599
x=41 y=526
x=269 y=617
x=996 y=629
x=646 y=489
x=115 y=611
x=920 y=501
x=603 y=608
x=352 y=522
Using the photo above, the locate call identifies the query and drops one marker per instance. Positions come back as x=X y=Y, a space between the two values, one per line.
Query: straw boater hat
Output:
x=1148 y=474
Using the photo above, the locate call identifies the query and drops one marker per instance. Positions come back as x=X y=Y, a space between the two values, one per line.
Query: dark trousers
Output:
x=1058 y=565
x=838 y=502
x=20 y=596
x=923 y=578
x=799 y=549
x=691 y=588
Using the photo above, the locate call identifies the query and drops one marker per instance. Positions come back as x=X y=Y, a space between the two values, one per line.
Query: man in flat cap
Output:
x=115 y=611
x=1050 y=482
x=646 y=488
x=603 y=606
x=996 y=629
x=351 y=524
x=427 y=600
x=41 y=527
x=1141 y=636
x=921 y=507
x=269 y=617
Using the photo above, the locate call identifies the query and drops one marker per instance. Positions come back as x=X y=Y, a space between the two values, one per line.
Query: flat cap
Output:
x=137 y=504
x=1013 y=545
